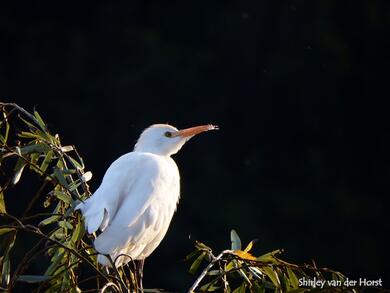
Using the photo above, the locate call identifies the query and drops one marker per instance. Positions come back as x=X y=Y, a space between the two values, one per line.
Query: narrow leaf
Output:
x=40 y=120
x=78 y=165
x=249 y=247
x=6 y=230
x=46 y=161
x=269 y=257
x=32 y=278
x=49 y=220
x=293 y=278
x=5 y=272
x=2 y=203
x=60 y=177
x=272 y=275
x=195 y=265
x=62 y=196
x=19 y=167
x=34 y=148
x=78 y=233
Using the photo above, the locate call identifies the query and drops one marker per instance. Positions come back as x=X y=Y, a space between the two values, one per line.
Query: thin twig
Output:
x=207 y=269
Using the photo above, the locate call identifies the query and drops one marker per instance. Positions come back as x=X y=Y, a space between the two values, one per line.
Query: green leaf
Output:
x=272 y=275
x=5 y=137
x=201 y=246
x=195 y=265
x=78 y=165
x=19 y=167
x=236 y=241
x=32 y=278
x=34 y=148
x=56 y=261
x=26 y=134
x=62 y=196
x=65 y=225
x=210 y=287
x=6 y=230
x=293 y=278
x=46 y=161
x=249 y=247
x=40 y=121
x=60 y=177
x=270 y=256
x=2 y=203
x=49 y=220
x=78 y=233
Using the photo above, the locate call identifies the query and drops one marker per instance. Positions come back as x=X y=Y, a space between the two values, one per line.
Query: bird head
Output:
x=166 y=140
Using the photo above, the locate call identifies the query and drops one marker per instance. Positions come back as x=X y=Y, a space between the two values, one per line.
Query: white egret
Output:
x=135 y=202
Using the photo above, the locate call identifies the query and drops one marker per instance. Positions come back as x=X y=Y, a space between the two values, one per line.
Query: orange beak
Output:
x=188 y=132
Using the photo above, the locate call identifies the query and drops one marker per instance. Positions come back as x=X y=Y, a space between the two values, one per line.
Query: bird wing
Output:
x=131 y=180
x=144 y=211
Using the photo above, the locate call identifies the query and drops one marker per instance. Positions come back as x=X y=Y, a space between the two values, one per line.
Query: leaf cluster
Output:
x=59 y=231
x=237 y=270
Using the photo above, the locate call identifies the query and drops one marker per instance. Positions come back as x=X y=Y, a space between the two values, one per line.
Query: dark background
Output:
x=299 y=89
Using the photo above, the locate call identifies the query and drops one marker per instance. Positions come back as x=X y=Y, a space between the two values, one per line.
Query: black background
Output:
x=299 y=89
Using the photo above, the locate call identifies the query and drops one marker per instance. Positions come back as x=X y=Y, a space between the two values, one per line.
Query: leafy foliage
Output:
x=59 y=229
x=237 y=270
x=67 y=251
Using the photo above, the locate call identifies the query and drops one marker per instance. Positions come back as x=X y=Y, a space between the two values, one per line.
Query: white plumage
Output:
x=138 y=196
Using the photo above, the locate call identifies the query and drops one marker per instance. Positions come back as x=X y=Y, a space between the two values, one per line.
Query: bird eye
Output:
x=168 y=134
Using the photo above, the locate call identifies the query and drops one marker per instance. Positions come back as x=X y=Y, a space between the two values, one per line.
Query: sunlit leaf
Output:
x=244 y=255
x=65 y=224
x=293 y=278
x=26 y=134
x=46 y=161
x=40 y=121
x=236 y=241
x=6 y=230
x=201 y=246
x=49 y=220
x=2 y=203
x=62 y=196
x=78 y=232
x=76 y=164
x=249 y=246
x=19 y=167
x=270 y=256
